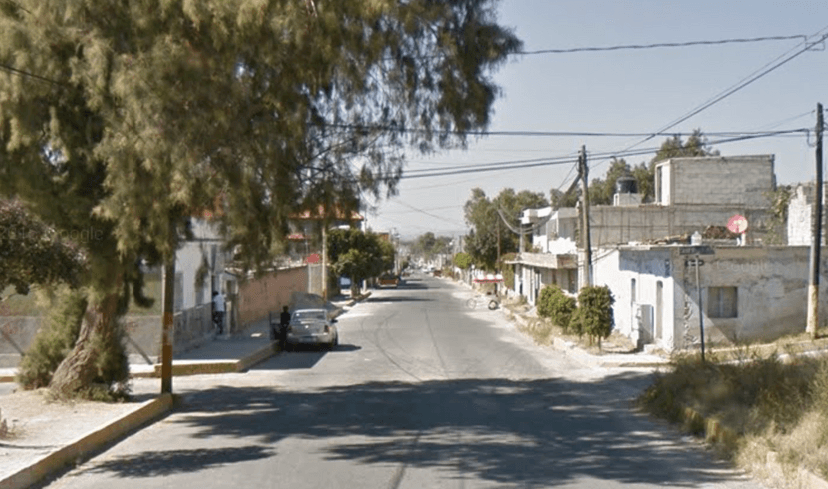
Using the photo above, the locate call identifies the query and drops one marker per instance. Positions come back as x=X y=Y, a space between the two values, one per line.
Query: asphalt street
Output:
x=421 y=393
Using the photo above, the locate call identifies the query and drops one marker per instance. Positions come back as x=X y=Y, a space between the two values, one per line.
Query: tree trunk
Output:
x=80 y=368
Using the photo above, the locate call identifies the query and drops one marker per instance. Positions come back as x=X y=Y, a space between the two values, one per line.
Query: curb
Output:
x=213 y=367
x=88 y=444
x=587 y=359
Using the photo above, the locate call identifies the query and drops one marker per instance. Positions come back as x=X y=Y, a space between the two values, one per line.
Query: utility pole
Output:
x=324 y=258
x=583 y=171
x=167 y=325
x=498 y=242
x=816 y=240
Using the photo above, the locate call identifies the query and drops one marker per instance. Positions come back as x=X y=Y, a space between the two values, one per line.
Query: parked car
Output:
x=389 y=280
x=311 y=327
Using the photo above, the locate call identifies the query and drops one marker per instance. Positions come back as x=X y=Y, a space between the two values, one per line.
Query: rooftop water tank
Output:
x=626 y=185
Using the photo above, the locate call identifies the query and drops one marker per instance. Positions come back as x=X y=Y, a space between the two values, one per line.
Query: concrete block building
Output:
x=749 y=291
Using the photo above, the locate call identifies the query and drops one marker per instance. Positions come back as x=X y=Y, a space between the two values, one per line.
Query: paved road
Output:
x=421 y=393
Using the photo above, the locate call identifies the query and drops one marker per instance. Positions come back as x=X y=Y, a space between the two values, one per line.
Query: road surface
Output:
x=421 y=393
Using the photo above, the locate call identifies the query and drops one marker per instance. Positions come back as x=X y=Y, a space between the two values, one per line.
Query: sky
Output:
x=628 y=91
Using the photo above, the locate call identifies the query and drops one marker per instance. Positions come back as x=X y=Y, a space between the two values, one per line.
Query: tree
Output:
x=135 y=117
x=490 y=236
x=428 y=245
x=359 y=255
x=594 y=315
x=32 y=253
x=601 y=191
x=559 y=199
x=554 y=304
x=462 y=260
x=696 y=145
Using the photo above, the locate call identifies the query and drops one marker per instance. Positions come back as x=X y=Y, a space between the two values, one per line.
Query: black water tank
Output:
x=625 y=185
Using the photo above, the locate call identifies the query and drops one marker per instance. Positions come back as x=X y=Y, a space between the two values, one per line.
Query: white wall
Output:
x=204 y=248
x=617 y=270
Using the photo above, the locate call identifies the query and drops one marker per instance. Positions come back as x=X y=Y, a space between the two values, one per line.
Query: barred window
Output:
x=722 y=302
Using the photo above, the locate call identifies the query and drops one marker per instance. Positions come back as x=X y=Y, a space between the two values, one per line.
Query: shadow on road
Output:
x=535 y=432
x=397 y=298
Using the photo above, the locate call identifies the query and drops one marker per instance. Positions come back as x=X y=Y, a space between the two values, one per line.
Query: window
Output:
x=722 y=302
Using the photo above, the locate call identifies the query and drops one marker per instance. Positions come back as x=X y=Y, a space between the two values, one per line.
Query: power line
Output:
x=595 y=158
x=421 y=211
x=744 y=82
x=626 y=47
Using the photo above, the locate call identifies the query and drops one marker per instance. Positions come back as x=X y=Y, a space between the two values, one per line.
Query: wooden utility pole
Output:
x=324 y=259
x=167 y=325
x=583 y=171
x=498 y=243
x=816 y=240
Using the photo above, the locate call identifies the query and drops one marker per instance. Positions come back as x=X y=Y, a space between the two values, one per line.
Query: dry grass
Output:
x=544 y=331
x=5 y=432
x=774 y=406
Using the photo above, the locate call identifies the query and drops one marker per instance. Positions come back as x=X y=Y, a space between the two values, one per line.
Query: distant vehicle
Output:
x=389 y=280
x=311 y=327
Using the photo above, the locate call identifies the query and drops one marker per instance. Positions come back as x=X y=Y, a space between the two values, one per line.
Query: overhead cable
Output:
x=626 y=47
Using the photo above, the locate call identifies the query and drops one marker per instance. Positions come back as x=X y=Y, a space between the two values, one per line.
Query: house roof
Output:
x=336 y=213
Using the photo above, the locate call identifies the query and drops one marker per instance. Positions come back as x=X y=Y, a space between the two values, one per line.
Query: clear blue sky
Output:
x=628 y=91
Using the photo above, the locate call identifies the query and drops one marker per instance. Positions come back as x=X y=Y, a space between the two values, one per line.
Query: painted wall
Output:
x=800 y=208
x=635 y=280
x=257 y=298
x=199 y=266
x=770 y=285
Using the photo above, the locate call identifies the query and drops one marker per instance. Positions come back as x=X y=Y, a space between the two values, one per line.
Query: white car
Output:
x=311 y=327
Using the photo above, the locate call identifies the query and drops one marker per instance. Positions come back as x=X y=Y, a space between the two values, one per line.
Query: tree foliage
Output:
x=601 y=190
x=427 y=245
x=489 y=234
x=463 y=260
x=124 y=119
x=34 y=253
x=594 y=316
x=359 y=255
x=554 y=304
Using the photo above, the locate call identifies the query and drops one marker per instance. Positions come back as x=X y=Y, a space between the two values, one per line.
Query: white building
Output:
x=636 y=253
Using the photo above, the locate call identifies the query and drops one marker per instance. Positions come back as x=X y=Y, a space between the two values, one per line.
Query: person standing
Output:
x=284 y=322
x=218 y=311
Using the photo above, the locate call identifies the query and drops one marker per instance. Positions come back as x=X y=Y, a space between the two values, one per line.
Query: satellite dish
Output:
x=737 y=224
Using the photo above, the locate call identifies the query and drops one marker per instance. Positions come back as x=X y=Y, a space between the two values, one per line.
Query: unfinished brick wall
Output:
x=736 y=180
x=258 y=297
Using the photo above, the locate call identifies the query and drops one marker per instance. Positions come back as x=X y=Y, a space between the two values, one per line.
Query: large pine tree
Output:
x=121 y=118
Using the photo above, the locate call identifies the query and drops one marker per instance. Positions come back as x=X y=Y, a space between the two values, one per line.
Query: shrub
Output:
x=594 y=316
x=53 y=341
x=554 y=304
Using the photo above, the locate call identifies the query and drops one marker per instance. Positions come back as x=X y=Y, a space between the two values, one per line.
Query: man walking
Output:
x=218 y=312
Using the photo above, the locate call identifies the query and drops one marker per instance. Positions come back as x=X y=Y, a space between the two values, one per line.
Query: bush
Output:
x=554 y=304
x=54 y=340
x=594 y=316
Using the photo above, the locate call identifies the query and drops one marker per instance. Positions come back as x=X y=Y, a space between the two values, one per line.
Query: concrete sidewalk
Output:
x=24 y=466
x=223 y=354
